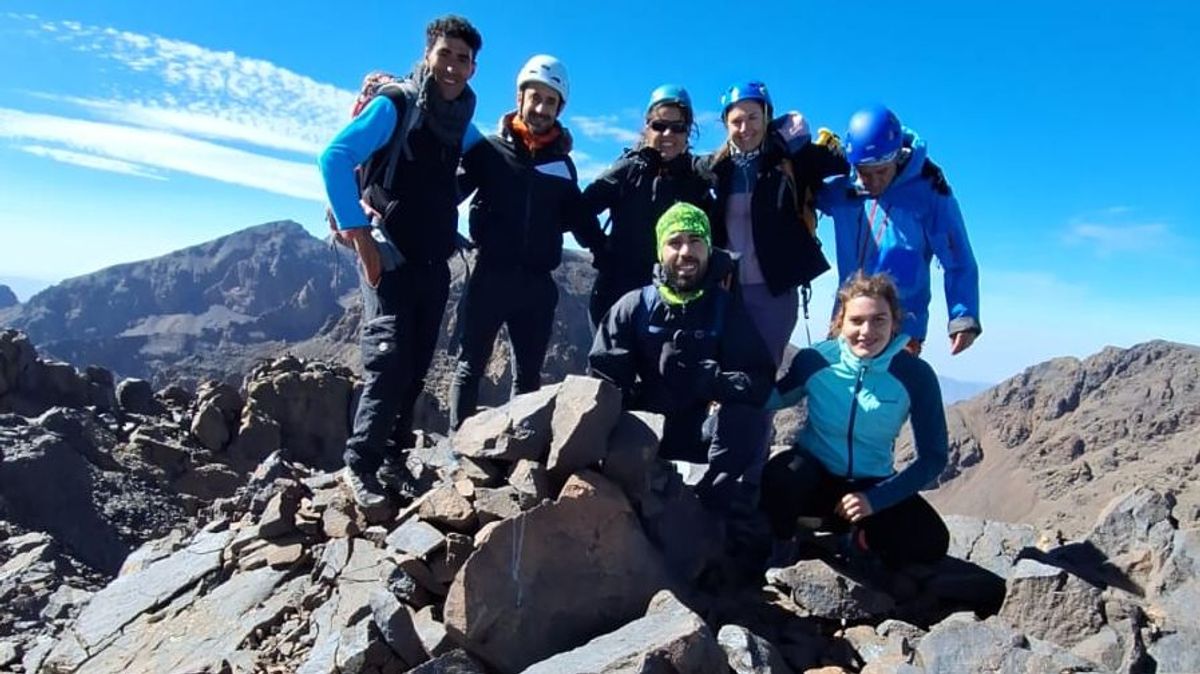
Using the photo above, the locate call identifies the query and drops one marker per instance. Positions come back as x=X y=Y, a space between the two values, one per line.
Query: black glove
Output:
x=684 y=369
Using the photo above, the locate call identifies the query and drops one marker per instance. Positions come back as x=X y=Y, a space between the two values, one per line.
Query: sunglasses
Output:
x=662 y=125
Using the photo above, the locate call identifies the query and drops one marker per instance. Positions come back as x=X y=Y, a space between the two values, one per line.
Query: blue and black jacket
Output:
x=636 y=190
x=721 y=341
x=419 y=205
x=916 y=218
x=524 y=201
x=856 y=408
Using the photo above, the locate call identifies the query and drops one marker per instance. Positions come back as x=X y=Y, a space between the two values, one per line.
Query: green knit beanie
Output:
x=682 y=217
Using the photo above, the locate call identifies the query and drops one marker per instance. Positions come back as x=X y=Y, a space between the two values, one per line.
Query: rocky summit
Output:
x=171 y=530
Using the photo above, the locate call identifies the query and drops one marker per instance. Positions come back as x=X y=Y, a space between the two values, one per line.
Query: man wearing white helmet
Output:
x=526 y=195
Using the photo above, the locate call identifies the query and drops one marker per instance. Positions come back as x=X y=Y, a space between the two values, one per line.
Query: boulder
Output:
x=585 y=412
x=309 y=401
x=519 y=429
x=668 y=638
x=827 y=593
x=632 y=450
x=135 y=396
x=1050 y=603
x=505 y=601
x=958 y=645
x=748 y=653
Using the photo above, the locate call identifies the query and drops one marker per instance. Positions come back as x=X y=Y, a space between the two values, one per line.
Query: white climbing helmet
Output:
x=547 y=70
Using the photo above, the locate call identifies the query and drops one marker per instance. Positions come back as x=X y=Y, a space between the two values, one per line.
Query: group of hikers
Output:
x=700 y=282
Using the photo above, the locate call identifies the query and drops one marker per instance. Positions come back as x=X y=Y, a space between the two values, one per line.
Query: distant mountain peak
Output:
x=7 y=297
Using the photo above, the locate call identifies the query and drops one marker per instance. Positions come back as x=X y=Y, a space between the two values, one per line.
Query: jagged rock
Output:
x=309 y=401
x=135 y=396
x=416 y=538
x=1049 y=603
x=446 y=507
x=585 y=412
x=156 y=446
x=209 y=427
x=497 y=504
x=258 y=437
x=960 y=645
x=669 y=638
x=519 y=429
x=279 y=517
x=458 y=548
x=16 y=355
x=432 y=632
x=632 y=450
x=101 y=390
x=681 y=529
x=824 y=592
x=64 y=601
x=455 y=662
x=531 y=480
x=218 y=408
x=1134 y=533
x=479 y=472
x=1176 y=651
x=748 y=653
x=8 y=653
x=992 y=545
x=135 y=594
x=588 y=540
x=175 y=396
x=395 y=623
x=209 y=482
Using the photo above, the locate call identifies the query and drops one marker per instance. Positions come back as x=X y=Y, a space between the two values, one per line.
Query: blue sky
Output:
x=129 y=129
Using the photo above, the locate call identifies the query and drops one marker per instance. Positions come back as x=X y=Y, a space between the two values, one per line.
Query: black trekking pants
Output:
x=401 y=322
x=726 y=441
x=522 y=300
x=797 y=485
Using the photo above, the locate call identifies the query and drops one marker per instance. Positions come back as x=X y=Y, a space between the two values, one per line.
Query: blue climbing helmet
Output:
x=670 y=94
x=749 y=91
x=874 y=136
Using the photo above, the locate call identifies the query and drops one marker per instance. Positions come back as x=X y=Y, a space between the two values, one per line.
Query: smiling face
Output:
x=666 y=131
x=538 y=106
x=867 y=325
x=452 y=63
x=746 y=122
x=685 y=260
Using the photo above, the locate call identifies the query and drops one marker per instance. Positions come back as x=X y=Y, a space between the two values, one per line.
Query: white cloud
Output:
x=587 y=167
x=164 y=150
x=603 y=127
x=92 y=161
x=218 y=95
x=1107 y=239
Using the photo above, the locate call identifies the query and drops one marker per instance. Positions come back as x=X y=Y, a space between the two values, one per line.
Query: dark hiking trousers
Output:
x=522 y=300
x=797 y=485
x=726 y=441
x=401 y=322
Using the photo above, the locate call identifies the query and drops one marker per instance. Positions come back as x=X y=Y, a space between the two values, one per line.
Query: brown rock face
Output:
x=588 y=540
x=1054 y=444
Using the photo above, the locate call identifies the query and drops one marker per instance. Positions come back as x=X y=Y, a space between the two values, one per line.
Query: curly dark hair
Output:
x=454 y=26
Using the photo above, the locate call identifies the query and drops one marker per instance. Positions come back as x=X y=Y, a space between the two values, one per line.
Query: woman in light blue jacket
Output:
x=862 y=385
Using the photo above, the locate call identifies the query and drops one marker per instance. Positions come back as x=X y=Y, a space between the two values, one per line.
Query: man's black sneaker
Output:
x=365 y=489
x=395 y=477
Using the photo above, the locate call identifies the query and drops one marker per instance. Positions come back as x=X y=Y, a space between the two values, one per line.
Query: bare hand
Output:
x=961 y=341
x=853 y=507
x=368 y=253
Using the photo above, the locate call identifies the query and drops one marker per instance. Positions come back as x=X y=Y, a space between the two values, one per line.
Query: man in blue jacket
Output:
x=526 y=195
x=405 y=144
x=893 y=214
x=684 y=342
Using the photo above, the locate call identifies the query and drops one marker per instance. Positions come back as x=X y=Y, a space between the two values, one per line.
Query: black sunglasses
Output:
x=661 y=125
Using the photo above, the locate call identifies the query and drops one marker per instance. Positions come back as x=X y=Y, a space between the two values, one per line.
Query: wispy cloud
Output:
x=603 y=128
x=1107 y=239
x=91 y=161
x=148 y=147
x=587 y=166
x=213 y=94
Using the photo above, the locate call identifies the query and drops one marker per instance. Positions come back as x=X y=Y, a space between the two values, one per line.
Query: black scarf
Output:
x=446 y=120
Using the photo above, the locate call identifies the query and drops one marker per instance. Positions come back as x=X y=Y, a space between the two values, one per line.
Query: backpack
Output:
x=400 y=90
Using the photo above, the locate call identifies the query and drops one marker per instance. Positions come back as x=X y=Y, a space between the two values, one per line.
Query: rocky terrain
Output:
x=161 y=531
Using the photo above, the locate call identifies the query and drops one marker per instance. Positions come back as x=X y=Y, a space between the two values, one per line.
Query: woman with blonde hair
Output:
x=861 y=385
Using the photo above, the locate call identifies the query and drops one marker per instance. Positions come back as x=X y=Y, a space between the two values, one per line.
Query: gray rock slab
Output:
x=416 y=538
x=954 y=646
x=669 y=638
x=585 y=412
x=134 y=594
x=455 y=662
x=748 y=653
x=632 y=450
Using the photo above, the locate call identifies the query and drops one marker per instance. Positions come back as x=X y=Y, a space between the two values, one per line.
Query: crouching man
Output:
x=684 y=342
